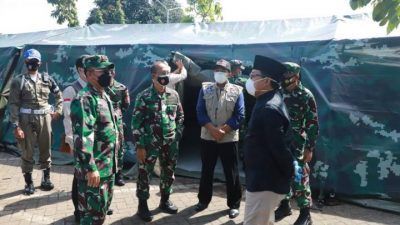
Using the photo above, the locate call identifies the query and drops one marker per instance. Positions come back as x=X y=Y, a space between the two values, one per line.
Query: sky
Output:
x=20 y=16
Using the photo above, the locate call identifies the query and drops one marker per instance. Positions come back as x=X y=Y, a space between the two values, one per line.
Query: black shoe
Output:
x=119 y=179
x=77 y=215
x=167 y=206
x=304 y=217
x=110 y=212
x=29 y=187
x=143 y=211
x=283 y=210
x=46 y=184
x=233 y=213
x=200 y=207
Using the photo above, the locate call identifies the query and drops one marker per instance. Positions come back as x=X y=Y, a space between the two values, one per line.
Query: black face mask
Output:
x=32 y=65
x=163 y=80
x=105 y=79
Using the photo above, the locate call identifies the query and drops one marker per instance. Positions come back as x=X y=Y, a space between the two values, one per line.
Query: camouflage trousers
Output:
x=301 y=191
x=94 y=202
x=168 y=156
x=122 y=146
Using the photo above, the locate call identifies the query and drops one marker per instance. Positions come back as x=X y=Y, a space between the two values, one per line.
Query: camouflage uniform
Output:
x=304 y=124
x=96 y=142
x=119 y=96
x=241 y=81
x=157 y=127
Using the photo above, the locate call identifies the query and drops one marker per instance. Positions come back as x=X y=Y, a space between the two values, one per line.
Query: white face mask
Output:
x=250 y=87
x=220 y=77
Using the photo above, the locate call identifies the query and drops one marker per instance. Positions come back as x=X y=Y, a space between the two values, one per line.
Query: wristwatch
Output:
x=15 y=125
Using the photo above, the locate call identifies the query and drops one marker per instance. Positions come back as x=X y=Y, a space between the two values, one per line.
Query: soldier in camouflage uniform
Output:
x=96 y=141
x=31 y=116
x=157 y=128
x=236 y=77
x=119 y=96
x=304 y=124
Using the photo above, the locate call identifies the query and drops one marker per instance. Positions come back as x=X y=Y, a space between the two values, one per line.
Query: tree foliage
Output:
x=121 y=11
x=65 y=11
x=386 y=12
x=108 y=12
x=206 y=10
x=133 y=11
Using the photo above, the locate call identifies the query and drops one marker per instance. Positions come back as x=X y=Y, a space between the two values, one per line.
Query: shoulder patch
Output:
x=208 y=87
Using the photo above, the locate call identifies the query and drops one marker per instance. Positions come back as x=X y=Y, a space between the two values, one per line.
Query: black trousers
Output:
x=228 y=153
x=74 y=194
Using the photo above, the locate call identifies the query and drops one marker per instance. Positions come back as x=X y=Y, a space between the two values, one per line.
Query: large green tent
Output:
x=349 y=63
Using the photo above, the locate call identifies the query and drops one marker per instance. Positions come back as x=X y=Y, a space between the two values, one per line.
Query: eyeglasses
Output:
x=165 y=73
x=255 y=74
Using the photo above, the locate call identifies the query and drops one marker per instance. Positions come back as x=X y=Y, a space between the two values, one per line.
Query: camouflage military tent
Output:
x=349 y=63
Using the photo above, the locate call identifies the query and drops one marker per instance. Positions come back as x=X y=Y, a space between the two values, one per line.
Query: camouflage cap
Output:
x=292 y=69
x=235 y=63
x=224 y=64
x=97 y=61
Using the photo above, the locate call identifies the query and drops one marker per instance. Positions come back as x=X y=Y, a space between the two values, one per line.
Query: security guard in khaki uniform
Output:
x=31 y=116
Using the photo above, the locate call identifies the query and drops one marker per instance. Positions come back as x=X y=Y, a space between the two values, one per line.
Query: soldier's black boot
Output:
x=304 y=217
x=283 y=210
x=46 y=184
x=144 y=212
x=119 y=179
x=29 y=188
x=166 y=205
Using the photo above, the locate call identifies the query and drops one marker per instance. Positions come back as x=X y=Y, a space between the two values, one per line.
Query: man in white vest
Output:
x=220 y=110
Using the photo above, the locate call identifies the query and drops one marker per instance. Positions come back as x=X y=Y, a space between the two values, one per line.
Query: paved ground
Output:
x=55 y=207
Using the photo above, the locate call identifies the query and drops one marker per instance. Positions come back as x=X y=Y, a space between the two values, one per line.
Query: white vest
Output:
x=220 y=104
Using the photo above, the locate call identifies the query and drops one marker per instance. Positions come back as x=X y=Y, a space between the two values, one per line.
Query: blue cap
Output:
x=32 y=54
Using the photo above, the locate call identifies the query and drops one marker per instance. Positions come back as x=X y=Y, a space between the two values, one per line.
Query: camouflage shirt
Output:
x=119 y=96
x=303 y=118
x=239 y=80
x=157 y=118
x=95 y=133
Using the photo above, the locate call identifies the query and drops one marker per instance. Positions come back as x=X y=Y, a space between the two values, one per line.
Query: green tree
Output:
x=96 y=16
x=133 y=11
x=141 y=11
x=206 y=10
x=65 y=10
x=386 y=12
x=108 y=12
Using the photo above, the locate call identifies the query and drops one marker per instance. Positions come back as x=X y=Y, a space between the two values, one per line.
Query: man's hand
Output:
x=55 y=116
x=141 y=155
x=308 y=154
x=218 y=133
x=179 y=64
x=226 y=128
x=93 y=179
x=19 y=134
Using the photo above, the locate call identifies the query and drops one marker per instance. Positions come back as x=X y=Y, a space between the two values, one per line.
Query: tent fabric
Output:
x=224 y=33
x=17 y=40
x=349 y=63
